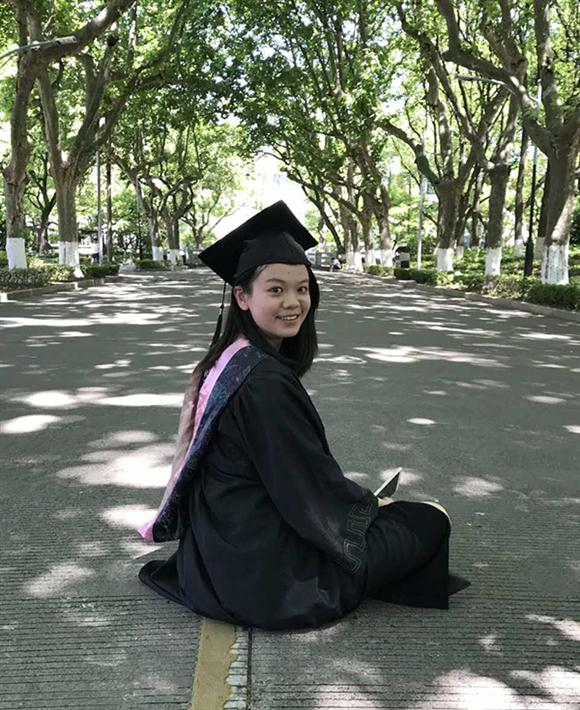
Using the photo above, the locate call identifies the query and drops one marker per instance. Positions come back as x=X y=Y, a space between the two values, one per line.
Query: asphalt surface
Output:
x=479 y=406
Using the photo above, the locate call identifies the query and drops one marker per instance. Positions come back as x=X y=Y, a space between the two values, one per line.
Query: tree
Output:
x=32 y=62
x=520 y=37
x=307 y=84
x=106 y=89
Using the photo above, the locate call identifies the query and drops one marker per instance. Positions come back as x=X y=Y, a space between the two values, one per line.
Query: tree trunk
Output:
x=14 y=185
x=15 y=171
x=43 y=242
x=559 y=209
x=109 y=207
x=460 y=225
x=365 y=218
x=172 y=226
x=499 y=177
x=384 y=223
x=386 y=241
x=174 y=251
x=68 y=245
x=353 y=259
x=543 y=221
x=156 y=248
x=327 y=221
x=475 y=212
x=520 y=204
x=449 y=194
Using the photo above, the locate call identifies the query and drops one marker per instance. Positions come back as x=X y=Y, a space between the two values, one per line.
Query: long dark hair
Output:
x=297 y=352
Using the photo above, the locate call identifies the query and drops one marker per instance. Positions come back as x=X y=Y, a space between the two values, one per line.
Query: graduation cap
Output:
x=273 y=236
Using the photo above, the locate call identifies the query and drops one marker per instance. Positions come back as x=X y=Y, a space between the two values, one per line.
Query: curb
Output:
x=535 y=308
x=23 y=294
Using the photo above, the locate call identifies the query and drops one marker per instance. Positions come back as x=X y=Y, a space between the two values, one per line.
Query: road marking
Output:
x=214 y=658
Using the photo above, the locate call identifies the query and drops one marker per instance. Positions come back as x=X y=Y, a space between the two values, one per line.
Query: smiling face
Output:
x=279 y=300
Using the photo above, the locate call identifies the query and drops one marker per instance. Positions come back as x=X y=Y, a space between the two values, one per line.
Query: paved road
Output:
x=479 y=406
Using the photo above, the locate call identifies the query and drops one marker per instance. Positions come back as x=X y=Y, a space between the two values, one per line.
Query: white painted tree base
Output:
x=371 y=257
x=539 y=250
x=68 y=255
x=354 y=261
x=157 y=254
x=16 y=251
x=493 y=261
x=459 y=252
x=174 y=257
x=555 y=264
x=445 y=259
x=519 y=248
x=387 y=257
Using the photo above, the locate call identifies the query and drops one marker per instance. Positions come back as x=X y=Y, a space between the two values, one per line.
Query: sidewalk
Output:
x=478 y=404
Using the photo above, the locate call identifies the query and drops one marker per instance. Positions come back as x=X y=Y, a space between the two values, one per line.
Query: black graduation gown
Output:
x=277 y=535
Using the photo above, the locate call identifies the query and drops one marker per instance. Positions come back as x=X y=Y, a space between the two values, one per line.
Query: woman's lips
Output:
x=289 y=319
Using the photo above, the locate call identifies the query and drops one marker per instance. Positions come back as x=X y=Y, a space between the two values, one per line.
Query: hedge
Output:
x=557 y=296
x=505 y=286
x=59 y=272
x=98 y=271
x=41 y=275
x=150 y=264
x=19 y=279
x=378 y=270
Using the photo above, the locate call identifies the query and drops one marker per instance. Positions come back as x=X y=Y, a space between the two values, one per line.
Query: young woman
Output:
x=271 y=533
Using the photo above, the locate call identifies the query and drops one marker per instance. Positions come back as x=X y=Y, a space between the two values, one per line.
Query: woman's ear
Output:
x=240 y=297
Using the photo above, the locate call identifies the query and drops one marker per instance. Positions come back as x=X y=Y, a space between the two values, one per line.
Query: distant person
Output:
x=336 y=265
x=271 y=532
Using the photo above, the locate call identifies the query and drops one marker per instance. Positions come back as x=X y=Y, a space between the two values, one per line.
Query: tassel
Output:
x=218 y=327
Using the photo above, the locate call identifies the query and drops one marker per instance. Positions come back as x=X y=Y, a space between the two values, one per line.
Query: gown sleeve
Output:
x=285 y=440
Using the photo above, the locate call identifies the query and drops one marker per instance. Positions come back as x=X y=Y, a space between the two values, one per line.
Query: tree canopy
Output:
x=362 y=103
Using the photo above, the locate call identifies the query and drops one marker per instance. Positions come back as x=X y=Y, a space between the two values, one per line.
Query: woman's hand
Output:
x=385 y=501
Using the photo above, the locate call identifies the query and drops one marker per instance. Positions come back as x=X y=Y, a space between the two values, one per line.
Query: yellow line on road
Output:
x=214 y=658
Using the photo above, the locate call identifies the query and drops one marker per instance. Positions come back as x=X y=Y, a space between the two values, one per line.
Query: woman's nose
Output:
x=291 y=300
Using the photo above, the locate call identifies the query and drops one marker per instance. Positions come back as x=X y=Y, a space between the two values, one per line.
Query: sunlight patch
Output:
x=60 y=578
x=399 y=354
x=342 y=360
x=544 y=336
x=406 y=354
x=422 y=421
x=357 y=476
x=127 y=516
x=144 y=400
x=572 y=428
x=490 y=643
x=50 y=399
x=112 y=365
x=120 y=438
x=26 y=425
x=567 y=627
x=462 y=690
x=76 y=334
x=561 y=684
x=43 y=322
x=477 y=487
x=541 y=399
x=148 y=467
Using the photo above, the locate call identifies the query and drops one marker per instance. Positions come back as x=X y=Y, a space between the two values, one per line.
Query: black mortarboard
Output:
x=273 y=236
